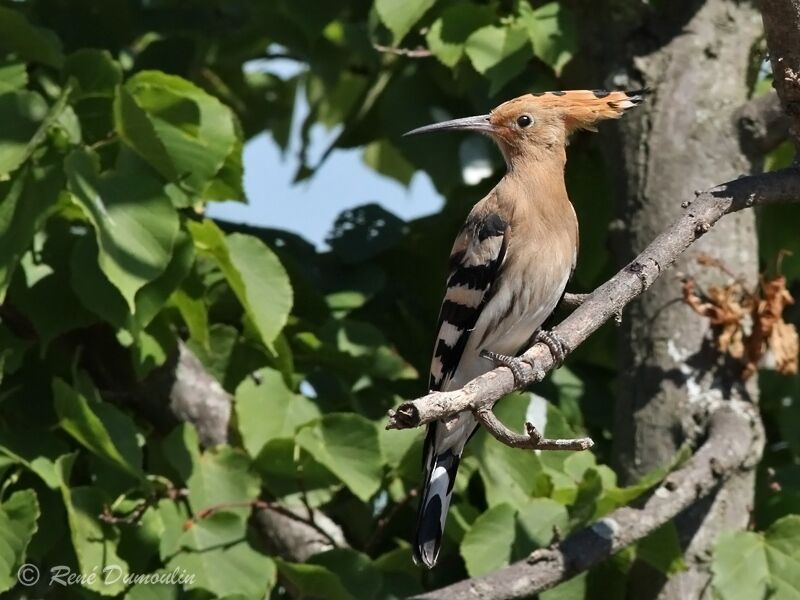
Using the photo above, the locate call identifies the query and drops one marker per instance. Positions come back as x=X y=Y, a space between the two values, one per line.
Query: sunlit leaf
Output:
x=399 y=17
x=552 y=31
x=758 y=565
x=183 y=132
x=254 y=273
x=98 y=426
x=266 y=409
x=487 y=545
x=221 y=561
x=448 y=34
x=499 y=53
x=135 y=224
x=347 y=444
x=95 y=542
x=18 y=522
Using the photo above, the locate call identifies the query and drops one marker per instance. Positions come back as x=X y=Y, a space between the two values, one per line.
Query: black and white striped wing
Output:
x=475 y=262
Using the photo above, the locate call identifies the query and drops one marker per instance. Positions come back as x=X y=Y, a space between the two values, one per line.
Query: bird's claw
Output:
x=558 y=347
x=514 y=363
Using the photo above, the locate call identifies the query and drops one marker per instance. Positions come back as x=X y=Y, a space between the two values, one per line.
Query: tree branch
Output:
x=533 y=440
x=610 y=298
x=732 y=444
x=407 y=52
x=782 y=24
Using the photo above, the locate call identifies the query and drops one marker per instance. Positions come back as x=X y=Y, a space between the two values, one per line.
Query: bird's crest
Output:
x=582 y=109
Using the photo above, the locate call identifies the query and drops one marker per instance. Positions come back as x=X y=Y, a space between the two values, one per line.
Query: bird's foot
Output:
x=515 y=364
x=558 y=347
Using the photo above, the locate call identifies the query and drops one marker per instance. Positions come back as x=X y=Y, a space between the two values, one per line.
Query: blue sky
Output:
x=310 y=207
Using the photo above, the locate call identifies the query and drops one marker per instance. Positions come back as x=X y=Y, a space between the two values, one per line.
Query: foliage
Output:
x=119 y=122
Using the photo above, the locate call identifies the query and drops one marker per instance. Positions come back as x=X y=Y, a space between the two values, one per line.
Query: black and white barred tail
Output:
x=440 y=475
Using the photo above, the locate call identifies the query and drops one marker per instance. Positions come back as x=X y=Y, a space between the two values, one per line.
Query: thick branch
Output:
x=611 y=297
x=762 y=124
x=782 y=26
x=732 y=444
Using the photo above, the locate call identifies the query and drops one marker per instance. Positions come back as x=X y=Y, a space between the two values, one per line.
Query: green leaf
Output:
x=32 y=43
x=758 y=565
x=96 y=73
x=153 y=591
x=400 y=17
x=222 y=476
x=487 y=545
x=538 y=520
x=21 y=116
x=509 y=476
x=448 y=34
x=265 y=393
x=189 y=301
x=384 y=158
x=347 y=444
x=313 y=581
x=135 y=223
x=572 y=589
x=95 y=543
x=355 y=570
x=776 y=235
x=13 y=76
x=283 y=466
x=254 y=273
x=100 y=427
x=183 y=132
x=552 y=32
x=221 y=562
x=24 y=202
x=662 y=550
x=35 y=450
x=499 y=53
x=18 y=522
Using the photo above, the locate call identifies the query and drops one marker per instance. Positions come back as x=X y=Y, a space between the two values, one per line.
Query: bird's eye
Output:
x=524 y=121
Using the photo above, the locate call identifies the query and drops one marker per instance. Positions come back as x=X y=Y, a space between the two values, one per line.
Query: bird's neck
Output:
x=537 y=175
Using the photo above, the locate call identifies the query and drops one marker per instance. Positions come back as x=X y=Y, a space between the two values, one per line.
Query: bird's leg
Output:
x=558 y=347
x=515 y=364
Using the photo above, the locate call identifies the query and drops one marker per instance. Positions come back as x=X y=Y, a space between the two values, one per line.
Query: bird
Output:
x=508 y=270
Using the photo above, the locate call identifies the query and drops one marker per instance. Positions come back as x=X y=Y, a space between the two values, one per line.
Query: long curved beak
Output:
x=478 y=123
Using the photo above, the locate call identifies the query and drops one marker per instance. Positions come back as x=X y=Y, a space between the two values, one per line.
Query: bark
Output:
x=762 y=125
x=782 y=27
x=683 y=140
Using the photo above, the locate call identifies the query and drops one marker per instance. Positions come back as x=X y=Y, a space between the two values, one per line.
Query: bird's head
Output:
x=535 y=124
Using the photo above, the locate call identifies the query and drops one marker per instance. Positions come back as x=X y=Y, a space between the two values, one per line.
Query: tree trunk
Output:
x=683 y=139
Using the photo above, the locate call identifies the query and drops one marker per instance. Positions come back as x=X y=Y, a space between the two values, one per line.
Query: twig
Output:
x=610 y=298
x=733 y=443
x=407 y=52
x=533 y=440
x=133 y=516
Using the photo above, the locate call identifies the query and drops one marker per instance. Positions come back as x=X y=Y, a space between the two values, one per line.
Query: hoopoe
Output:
x=509 y=268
